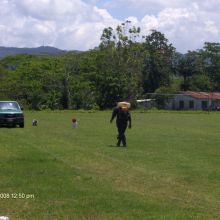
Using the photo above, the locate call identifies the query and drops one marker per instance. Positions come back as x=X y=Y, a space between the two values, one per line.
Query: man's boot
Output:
x=124 y=141
x=119 y=141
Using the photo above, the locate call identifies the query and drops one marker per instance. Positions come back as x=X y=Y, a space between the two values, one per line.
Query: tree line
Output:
x=125 y=66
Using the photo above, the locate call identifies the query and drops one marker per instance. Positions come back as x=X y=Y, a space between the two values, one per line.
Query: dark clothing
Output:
x=121 y=134
x=122 y=119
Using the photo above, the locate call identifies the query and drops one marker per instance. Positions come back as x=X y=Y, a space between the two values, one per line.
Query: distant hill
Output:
x=6 y=51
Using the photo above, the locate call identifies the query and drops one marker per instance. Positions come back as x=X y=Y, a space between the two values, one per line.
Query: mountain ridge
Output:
x=42 y=50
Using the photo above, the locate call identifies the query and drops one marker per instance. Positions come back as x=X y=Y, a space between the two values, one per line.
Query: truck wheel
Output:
x=21 y=125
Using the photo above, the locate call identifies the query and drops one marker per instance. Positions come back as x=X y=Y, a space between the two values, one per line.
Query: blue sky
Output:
x=78 y=24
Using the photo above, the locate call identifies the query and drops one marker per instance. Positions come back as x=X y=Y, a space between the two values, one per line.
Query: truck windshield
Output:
x=8 y=106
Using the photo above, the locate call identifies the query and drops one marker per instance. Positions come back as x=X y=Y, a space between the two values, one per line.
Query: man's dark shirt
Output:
x=122 y=117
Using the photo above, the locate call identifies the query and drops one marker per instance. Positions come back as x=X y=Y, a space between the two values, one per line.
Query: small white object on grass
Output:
x=34 y=123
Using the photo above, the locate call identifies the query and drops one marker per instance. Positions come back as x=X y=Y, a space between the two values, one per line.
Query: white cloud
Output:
x=187 y=24
x=78 y=24
x=186 y=28
x=51 y=9
x=66 y=24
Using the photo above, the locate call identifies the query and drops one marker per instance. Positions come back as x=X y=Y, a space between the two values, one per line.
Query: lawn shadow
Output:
x=112 y=145
x=8 y=126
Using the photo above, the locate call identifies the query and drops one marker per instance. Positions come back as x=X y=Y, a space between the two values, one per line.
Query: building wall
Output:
x=183 y=102
x=216 y=105
x=190 y=103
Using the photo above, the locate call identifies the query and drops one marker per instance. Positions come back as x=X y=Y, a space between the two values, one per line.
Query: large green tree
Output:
x=158 y=65
x=119 y=62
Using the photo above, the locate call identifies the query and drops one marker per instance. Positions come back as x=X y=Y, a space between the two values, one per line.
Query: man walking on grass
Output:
x=123 y=117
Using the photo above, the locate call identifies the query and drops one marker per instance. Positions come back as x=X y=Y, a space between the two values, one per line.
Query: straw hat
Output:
x=124 y=105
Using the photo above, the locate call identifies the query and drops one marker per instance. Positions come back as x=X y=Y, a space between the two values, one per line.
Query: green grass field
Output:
x=169 y=171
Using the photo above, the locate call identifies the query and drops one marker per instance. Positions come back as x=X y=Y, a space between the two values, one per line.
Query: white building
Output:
x=195 y=101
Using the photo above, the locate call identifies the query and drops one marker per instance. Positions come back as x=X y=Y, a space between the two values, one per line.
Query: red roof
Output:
x=203 y=95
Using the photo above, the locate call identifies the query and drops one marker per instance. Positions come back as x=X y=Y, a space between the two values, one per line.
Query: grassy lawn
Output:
x=169 y=171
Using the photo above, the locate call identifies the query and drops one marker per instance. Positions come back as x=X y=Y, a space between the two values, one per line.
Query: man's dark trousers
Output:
x=121 y=133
